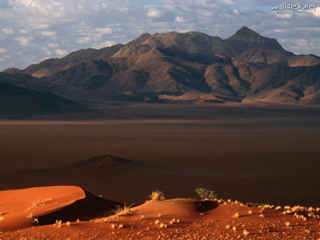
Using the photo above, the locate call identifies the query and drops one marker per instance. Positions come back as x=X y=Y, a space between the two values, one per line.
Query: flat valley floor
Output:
x=271 y=157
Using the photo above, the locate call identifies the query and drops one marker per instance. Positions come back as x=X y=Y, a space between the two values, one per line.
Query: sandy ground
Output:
x=177 y=218
x=252 y=160
x=255 y=156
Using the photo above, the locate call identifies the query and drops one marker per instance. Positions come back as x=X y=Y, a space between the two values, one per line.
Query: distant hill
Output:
x=18 y=102
x=162 y=67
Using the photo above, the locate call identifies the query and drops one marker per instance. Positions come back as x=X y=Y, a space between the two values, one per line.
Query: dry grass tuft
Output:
x=156 y=196
x=125 y=210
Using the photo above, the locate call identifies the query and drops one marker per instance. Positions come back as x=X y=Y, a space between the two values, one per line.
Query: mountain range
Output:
x=191 y=66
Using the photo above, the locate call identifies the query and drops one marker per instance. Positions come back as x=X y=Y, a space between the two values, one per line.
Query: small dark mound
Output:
x=102 y=161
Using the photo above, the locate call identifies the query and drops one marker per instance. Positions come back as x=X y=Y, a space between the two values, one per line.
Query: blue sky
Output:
x=34 y=30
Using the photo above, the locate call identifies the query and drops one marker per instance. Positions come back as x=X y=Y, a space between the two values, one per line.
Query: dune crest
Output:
x=27 y=207
x=57 y=210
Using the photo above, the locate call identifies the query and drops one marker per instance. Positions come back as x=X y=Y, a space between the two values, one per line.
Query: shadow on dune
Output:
x=204 y=206
x=84 y=209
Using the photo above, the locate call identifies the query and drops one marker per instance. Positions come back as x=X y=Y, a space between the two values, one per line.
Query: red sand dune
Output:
x=19 y=208
x=168 y=219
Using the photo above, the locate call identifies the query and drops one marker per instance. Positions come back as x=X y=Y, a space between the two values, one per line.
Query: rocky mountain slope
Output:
x=245 y=66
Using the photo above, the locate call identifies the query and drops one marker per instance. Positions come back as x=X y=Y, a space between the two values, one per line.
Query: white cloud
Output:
x=3 y=50
x=48 y=33
x=154 y=13
x=7 y=31
x=104 y=44
x=280 y=30
x=53 y=45
x=104 y=30
x=302 y=42
x=228 y=2
x=41 y=26
x=302 y=46
x=316 y=13
x=24 y=41
x=96 y=8
x=46 y=51
x=179 y=19
x=61 y=52
x=286 y=14
x=236 y=11
x=83 y=40
x=28 y=26
x=103 y=6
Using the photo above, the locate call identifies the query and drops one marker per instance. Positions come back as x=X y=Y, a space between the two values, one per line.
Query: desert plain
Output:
x=72 y=167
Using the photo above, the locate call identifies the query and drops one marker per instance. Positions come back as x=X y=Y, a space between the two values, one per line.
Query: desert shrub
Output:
x=156 y=196
x=206 y=194
x=123 y=210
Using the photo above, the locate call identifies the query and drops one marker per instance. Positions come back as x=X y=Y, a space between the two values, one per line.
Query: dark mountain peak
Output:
x=246 y=34
x=251 y=39
x=246 y=30
x=142 y=38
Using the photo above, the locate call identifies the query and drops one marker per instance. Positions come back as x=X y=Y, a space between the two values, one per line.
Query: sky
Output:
x=34 y=30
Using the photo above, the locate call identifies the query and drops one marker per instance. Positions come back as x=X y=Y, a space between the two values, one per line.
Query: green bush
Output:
x=206 y=194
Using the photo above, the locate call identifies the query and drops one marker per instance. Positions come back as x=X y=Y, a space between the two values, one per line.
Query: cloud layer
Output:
x=34 y=30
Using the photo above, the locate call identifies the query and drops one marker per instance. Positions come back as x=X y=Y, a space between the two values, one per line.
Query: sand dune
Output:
x=177 y=218
x=20 y=208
